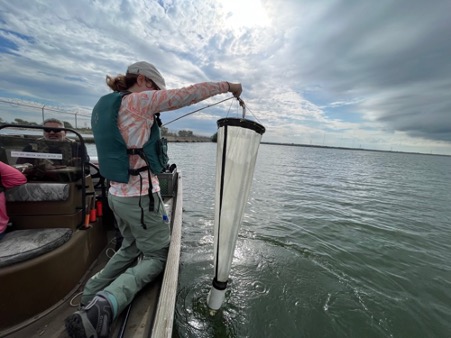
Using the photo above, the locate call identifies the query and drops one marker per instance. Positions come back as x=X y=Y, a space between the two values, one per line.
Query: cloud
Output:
x=351 y=69
x=391 y=60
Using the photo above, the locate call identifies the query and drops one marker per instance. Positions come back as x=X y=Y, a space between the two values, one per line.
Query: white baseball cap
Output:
x=149 y=71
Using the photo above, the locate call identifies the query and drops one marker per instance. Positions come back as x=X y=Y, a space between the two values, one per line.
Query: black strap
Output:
x=137 y=172
x=157 y=118
x=136 y=151
x=140 y=206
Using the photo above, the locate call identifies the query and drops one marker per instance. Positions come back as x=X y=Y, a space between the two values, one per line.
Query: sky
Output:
x=362 y=74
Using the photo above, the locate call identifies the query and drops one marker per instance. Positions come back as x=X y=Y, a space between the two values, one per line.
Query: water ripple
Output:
x=334 y=243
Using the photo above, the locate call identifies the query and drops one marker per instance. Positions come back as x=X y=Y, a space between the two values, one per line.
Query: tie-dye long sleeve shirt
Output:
x=136 y=117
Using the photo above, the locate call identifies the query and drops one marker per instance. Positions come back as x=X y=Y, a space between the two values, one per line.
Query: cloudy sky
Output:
x=370 y=74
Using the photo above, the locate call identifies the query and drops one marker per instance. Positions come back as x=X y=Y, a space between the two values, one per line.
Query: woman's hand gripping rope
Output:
x=235 y=89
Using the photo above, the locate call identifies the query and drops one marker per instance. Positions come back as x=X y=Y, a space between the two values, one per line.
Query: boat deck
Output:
x=138 y=320
x=52 y=323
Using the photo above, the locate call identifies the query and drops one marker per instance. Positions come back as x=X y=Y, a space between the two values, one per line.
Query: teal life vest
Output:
x=112 y=151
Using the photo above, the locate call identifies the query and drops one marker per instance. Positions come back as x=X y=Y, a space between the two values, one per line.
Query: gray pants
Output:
x=120 y=277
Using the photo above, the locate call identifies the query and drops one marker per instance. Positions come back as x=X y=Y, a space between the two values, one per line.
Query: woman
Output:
x=125 y=127
x=9 y=178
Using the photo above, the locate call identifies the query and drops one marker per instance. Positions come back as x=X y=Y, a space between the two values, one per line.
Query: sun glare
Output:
x=245 y=13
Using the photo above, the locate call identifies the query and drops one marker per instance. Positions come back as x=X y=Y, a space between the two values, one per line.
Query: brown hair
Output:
x=121 y=82
x=53 y=120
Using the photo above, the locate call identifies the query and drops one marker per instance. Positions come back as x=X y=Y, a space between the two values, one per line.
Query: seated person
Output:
x=9 y=177
x=54 y=155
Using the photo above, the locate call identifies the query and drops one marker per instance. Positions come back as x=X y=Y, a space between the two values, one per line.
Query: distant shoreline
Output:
x=348 y=148
x=192 y=139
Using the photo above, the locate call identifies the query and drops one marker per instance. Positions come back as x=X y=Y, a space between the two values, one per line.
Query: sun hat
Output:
x=149 y=71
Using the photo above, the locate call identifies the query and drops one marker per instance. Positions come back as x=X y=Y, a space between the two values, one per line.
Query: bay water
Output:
x=334 y=243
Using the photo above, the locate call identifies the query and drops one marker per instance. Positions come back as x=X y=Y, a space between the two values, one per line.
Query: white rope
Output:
x=71 y=302
x=210 y=105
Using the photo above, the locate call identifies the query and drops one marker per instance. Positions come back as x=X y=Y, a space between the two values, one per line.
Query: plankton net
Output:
x=238 y=140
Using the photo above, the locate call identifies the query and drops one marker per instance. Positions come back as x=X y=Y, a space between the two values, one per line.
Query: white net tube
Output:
x=237 y=146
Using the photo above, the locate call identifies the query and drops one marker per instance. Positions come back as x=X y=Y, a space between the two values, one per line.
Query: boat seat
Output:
x=21 y=245
x=45 y=205
x=38 y=192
